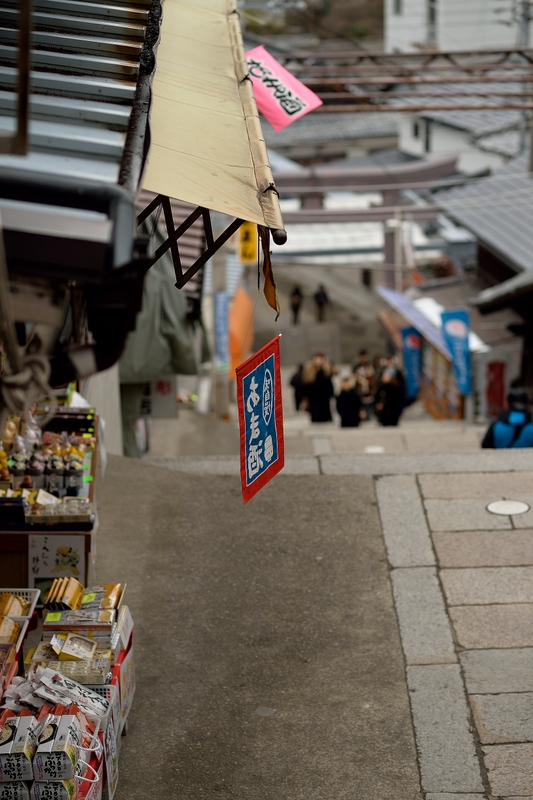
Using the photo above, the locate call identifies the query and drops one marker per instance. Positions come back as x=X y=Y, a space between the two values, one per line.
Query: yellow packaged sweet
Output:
x=106 y=596
x=9 y=630
x=13 y=605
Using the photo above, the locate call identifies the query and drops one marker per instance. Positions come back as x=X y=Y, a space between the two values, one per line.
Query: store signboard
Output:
x=260 y=418
x=160 y=399
x=248 y=243
x=111 y=759
x=412 y=361
x=127 y=686
x=280 y=97
x=50 y=557
x=163 y=397
x=456 y=330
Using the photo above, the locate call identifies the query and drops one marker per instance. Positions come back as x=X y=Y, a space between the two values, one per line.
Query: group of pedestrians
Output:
x=373 y=388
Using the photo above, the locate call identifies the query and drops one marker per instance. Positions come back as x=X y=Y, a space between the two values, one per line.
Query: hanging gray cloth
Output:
x=163 y=342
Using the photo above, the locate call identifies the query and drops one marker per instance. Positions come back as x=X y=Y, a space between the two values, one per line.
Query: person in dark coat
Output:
x=514 y=427
x=296 y=303
x=390 y=399
x=297 y=384
x=349 y=404
x=318 y=387
x=365 y=382
x=321 y=300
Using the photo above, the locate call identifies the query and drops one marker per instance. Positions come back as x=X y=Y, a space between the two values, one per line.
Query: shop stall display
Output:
x=64 y=702
x=47 y=513
x=64 y=711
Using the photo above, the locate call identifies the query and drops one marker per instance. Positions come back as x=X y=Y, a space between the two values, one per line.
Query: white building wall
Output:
x=407 y=141
x=473 y=24
x=461 y=25
x=103 y=392
x=405 y=30
x=445 y=140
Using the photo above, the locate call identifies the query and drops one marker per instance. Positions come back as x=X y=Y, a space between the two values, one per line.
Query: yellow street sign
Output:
x=248 y=249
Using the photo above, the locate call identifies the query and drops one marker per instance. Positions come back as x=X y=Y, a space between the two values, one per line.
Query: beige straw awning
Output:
x=207 y=146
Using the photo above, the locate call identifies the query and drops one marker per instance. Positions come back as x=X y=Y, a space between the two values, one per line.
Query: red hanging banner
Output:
x=260 y=418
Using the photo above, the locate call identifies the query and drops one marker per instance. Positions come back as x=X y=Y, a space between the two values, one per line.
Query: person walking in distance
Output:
x=513 y=428
x=390 y=398
x=296 y=303
x=349 y=404
x=318 y=387
x=297 y=384
x=365 y=382
x=321 y=300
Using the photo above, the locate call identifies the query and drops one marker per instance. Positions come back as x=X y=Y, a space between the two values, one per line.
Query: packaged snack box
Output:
x=106 y=596
x=17 y=748
x=79 y=619
x=12 y=605
x=77 y=648
x=58 y=762
x=59 y=689
x=7 y=655
x=94 y=672
x=53 y=790
x=14 y=790
x=9 y=630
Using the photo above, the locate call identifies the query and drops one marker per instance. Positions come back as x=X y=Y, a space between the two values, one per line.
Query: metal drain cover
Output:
x=508 y=508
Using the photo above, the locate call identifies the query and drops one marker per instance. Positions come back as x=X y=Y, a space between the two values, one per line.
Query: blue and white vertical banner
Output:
x=456 y=331
x=260 y=409
x=221 y=332
x=412 y=361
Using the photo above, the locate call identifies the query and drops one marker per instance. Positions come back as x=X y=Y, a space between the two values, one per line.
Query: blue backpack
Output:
x=515 y=432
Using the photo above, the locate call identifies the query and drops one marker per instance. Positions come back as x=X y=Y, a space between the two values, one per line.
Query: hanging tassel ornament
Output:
x=269 y=287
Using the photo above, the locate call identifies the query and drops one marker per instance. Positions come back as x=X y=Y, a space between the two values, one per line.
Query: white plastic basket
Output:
x=110 y=693
x=31 y=595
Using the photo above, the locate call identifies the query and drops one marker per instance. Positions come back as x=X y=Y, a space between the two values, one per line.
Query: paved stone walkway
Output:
x=192 y=434
x=463 y=588
x=463 y=593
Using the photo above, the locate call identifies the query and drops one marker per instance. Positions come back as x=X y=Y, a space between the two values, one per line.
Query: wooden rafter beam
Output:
x=415 y=80
x=420 y=108
x=422 y=57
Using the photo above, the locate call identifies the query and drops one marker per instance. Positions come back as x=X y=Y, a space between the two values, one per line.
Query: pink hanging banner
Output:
x=280 y=96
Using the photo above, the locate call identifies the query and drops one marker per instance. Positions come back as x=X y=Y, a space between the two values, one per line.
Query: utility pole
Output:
x=220 y=396
x=524 y=18
x=398 y=277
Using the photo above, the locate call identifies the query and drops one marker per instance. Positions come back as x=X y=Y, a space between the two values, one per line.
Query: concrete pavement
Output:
x=461 y=581
x=269 y=663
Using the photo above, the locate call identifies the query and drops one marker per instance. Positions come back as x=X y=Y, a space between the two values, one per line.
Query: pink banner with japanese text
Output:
x=280 y=97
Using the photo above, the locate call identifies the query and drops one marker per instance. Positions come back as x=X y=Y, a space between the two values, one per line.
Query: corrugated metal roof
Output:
x=498 y=211
x=85 y=66
x=332 y=127
x=400 y=303
x=478 y=123
x=506 y=143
